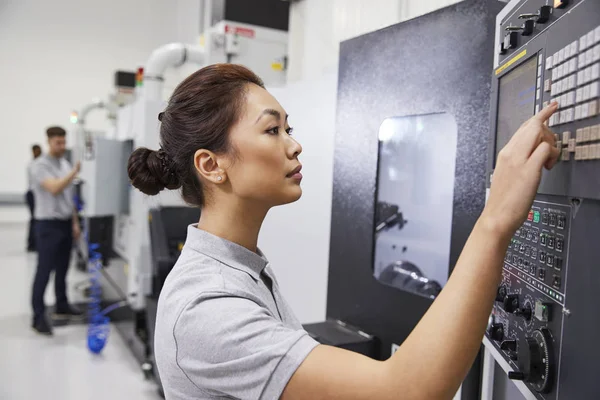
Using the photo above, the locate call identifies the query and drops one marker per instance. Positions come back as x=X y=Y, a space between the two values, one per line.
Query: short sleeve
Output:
x=39 y=173
x=234 y=347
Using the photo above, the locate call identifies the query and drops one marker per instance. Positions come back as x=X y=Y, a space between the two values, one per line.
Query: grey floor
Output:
x=58 y=367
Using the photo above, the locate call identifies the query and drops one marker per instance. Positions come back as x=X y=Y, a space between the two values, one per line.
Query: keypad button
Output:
x=573 y=66
x=566 y=155
x=569 y=116
x=594 y=90
x=534 y=253
x=597 y=35
x=542 y=257
x=583 y=43
x=561 y=56
x=547 y=85
x=593 y=109
x=556 y=281
x=586 y=134
x=562 y=221
x=558 y=263
x=570 y=100
x=581 y=60
x=551 y=241
x=580 y=77
x=590 y=38
x=550 y=260
x=587 y=75
x=566 y=136
x=589 y=57
x=549 y=63
x=542 y=274
x=596 y=71
x=559 y=244
x=578 y=112
x=596 y=52
x=579 y=95
x=585 y=111
x=586 y=92
x=543 y=239
x=579 y=135
x=595 y=132
x=574 y=48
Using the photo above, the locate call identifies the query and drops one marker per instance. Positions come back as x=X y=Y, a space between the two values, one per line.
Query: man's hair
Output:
x=55 y=131
x=36 y=147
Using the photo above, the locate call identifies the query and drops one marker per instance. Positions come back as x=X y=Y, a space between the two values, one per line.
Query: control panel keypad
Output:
x=574 y=81
x=538 y=248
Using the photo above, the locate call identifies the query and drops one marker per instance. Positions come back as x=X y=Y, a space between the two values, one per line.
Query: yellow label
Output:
x=277 y=66
x=511 y=62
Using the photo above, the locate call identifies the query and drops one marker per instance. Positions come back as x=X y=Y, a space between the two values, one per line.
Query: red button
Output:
x=530 y=216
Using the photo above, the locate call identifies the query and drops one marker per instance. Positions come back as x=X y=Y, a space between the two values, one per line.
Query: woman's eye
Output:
x=274 y=131
x=290 y=130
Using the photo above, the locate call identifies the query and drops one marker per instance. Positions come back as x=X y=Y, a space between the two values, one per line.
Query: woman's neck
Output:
x=234 y=222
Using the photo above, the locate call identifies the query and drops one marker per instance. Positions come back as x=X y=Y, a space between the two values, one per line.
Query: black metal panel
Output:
x=273 y=14
x=436 y=63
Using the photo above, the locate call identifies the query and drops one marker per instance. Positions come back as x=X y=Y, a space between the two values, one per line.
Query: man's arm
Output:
x=57 y=185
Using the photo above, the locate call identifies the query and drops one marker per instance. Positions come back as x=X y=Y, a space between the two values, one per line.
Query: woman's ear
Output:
x=207 y=165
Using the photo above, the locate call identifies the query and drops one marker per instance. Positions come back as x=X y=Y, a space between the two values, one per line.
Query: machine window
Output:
x=415 y=193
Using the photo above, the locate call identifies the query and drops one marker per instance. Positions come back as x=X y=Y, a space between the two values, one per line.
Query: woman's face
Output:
x=265 y=168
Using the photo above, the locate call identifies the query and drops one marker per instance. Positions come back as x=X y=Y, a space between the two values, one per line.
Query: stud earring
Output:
x=220 y=178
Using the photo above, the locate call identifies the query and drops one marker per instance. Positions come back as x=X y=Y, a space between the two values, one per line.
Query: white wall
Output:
x=295 y=237
x=55 y=56
x=318 y=26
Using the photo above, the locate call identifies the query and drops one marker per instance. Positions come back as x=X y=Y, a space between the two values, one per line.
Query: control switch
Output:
x=543 y=311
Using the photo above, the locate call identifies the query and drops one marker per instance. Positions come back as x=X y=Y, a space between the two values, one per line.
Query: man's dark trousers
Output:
x=31 y=237
x=54 y=241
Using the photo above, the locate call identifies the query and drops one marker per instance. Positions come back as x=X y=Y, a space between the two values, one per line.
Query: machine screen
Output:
x=516 y=102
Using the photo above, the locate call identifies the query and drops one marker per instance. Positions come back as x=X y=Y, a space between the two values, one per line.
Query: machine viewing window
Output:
x=415 y=196
x=516 y=101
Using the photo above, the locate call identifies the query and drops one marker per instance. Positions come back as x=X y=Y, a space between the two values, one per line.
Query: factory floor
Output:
x=60 y=367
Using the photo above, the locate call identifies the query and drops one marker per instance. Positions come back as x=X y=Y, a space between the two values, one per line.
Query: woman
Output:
x=224 y=331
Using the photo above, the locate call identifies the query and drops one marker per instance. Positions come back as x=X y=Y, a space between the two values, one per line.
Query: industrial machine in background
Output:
x=544 y=326
x=118 y=216
x=413 y=107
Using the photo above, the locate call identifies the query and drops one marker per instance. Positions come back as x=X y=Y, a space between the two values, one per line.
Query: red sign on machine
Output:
x=245 y=32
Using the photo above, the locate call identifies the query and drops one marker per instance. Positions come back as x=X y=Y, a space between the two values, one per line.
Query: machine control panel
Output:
x=525 y=324
x=545 y=305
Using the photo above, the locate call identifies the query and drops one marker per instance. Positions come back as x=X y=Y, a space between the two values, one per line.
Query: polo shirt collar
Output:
x=227 y=252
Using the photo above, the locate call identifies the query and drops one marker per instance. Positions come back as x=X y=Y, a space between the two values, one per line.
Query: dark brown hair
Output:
x=55 y=131
x=200 y=114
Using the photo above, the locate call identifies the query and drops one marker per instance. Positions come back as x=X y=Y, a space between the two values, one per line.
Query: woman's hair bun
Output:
x=152 y=171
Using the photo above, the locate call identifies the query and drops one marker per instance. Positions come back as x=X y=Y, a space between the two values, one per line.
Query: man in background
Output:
x=56 y=226
x=37 y=151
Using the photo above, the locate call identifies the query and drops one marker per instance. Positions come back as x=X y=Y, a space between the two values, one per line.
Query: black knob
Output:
x=536 y=361
x=496 y=332
x=524 y=312
x=511 y=40
x=528 y=27
x=511 y=303
x=509 y=345
x=501 y=294
x=544 y=14
x=516 y=375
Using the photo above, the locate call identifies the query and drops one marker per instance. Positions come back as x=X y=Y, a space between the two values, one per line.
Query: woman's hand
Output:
x=518 y=173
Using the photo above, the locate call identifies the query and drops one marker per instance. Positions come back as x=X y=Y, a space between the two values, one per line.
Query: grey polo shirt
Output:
x=47 y=205
x=221 y=333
